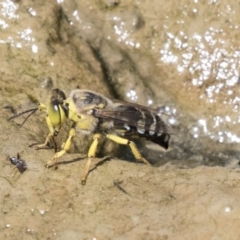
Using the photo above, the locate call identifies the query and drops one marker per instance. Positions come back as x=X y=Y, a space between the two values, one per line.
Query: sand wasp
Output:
x=92 y=113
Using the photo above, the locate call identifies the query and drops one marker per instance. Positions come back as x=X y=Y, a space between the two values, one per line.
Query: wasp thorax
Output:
x=85 y=99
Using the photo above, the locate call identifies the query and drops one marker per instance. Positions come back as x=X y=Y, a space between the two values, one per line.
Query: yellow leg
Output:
x=91 y=155
x=66 y=148
x=49 y=137
x=41 y=146
x=131 y=144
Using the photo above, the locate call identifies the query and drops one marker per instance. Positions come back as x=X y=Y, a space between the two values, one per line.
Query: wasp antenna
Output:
x=19 y=114
x=33 y=111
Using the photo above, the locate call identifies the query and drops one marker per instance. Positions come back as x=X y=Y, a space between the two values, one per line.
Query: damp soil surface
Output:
x=121 y=200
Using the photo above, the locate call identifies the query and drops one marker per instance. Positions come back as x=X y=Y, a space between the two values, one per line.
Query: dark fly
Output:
x=20 y=164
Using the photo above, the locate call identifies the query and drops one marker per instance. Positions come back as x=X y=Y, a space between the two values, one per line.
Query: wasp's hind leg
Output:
x=65 y=149
x=132 y=146
x=91 y=154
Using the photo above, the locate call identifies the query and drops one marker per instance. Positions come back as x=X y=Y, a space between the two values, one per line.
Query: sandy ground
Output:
x=184 y=56
x=121 y=200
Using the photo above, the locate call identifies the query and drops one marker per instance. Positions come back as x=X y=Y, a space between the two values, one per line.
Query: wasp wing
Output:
x=137 y=120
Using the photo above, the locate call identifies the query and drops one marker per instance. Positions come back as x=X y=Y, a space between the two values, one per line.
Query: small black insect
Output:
x=19 y=163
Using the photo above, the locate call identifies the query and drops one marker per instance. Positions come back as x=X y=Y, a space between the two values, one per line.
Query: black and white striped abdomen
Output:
x=153 y=128
x=145 y=124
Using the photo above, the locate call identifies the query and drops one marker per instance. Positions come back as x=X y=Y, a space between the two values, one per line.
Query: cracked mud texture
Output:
x=183 y=56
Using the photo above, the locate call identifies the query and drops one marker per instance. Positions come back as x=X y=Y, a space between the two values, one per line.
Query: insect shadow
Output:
x=117 y=184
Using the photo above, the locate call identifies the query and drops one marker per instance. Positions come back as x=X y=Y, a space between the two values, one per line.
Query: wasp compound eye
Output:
x=58 y=95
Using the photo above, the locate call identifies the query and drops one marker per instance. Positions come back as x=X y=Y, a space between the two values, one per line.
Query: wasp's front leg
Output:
x=49 y=137
x=91 y=154
x=65 y=149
